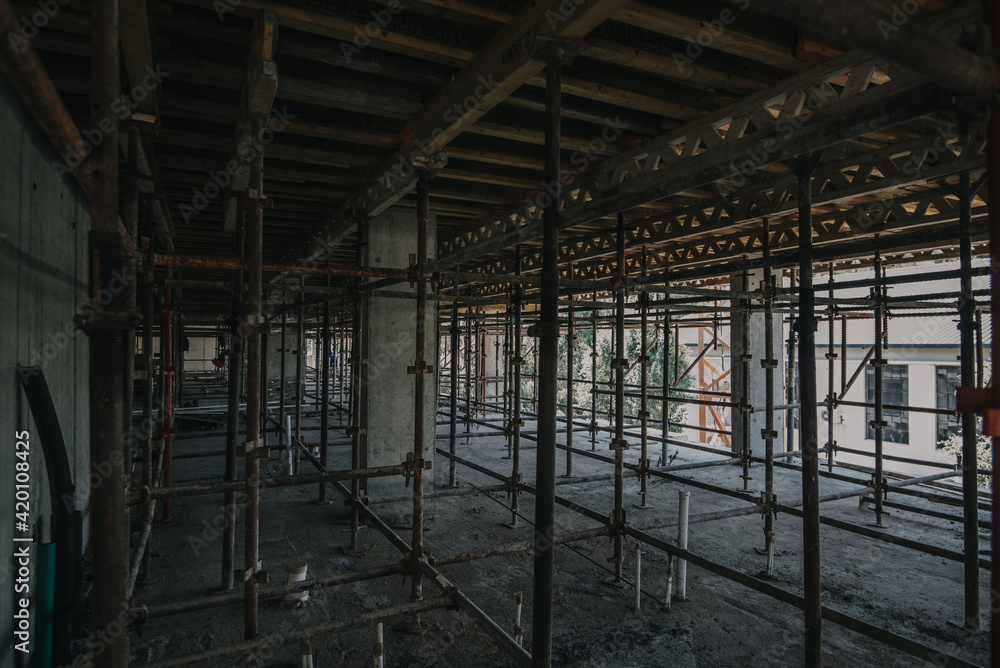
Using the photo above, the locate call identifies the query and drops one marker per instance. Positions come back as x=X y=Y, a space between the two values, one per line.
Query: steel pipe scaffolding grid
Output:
x=538 y=272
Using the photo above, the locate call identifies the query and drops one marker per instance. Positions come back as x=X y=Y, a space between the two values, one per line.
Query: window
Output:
x=894 y=393
x=948 y=379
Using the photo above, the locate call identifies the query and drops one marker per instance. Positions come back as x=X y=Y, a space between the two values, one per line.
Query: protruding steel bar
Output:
x=251 y=518
x=970 y=437
x=548 y=341
x=235 y=383
x=806 y=326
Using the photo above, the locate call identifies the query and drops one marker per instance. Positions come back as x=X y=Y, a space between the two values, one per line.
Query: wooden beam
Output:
x=259 y=89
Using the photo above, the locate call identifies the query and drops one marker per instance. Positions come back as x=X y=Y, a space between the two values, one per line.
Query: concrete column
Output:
x=389 y=325
x=755 y=346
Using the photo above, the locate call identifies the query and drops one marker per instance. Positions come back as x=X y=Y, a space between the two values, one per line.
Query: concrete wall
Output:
x=756 y=347
x=390 y=349
x=44 y=221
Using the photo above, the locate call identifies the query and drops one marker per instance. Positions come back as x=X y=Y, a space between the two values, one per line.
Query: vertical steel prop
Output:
x=769 y=433
x=643 y=390
x=570 y=361
x=420 y=369
x=324 y=372
x=548 y=332
x=456 y=333
x=970 y=437
x=252 y=450
x=300 y=364
x=805 y=326
x=665 y=400
x=235 y=383
x=619 y=364
x=879 y=423
x=516 y=422
x=109 y=531
x=148 y=383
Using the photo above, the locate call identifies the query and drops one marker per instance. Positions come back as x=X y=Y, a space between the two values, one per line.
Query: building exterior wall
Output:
x=850 y=421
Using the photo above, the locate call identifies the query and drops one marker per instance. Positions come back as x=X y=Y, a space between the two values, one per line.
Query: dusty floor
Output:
x=721 y=623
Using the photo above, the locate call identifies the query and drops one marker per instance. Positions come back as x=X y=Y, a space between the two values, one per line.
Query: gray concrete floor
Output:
x=721 y=623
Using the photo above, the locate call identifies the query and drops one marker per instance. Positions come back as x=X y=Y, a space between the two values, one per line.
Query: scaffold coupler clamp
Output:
x=616 y=522
x=412 y=465
x=766 y=363
x=420 y=368
x=768 y=505
x=981 y=401
x=513 y=486
x=254 y=448
x=257 y=574
x=618 y=444
x=832 y=448
x=592 y=427
x=803 y=324
x=514 y=424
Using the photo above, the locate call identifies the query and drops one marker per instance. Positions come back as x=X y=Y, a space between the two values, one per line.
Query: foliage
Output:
x=582 y=370
x=984 y=451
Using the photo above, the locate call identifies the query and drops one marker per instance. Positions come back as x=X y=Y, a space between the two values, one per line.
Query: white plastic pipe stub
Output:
x=296 y=572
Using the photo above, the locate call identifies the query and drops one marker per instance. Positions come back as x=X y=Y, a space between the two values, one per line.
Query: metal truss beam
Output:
x=813 y=110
